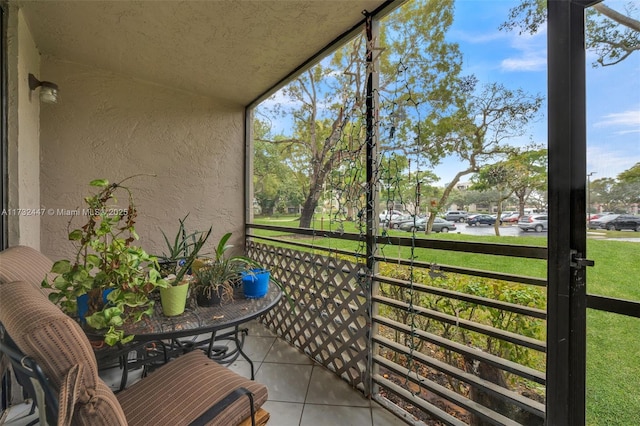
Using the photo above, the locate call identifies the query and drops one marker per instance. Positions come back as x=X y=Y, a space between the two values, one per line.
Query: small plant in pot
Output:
x=178 y=250
x=174 y=296
x=214 y=284
x=215 y=281
x=115 y=276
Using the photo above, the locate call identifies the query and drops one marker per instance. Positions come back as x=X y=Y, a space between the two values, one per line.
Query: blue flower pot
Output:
x=83 y=303
x=255 y=283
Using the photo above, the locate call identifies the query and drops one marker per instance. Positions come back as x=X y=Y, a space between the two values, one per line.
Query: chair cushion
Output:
x=185 y=388
x=58 y=344
x=22 y=263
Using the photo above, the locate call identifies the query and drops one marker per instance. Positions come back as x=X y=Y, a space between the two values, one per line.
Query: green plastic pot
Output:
x=174 y=299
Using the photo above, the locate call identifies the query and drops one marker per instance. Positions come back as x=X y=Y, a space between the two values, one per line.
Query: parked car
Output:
x=396 y=221
x=512 y=218
x=535 y=221
x=439 y=225
x=456 y=216
x=621 y=222
x=506 y=214
x=601 y=222
x=595 y=216
x=387 y=215
x=481 y=219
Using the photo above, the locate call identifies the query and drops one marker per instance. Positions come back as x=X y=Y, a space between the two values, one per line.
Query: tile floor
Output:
x=301 y=393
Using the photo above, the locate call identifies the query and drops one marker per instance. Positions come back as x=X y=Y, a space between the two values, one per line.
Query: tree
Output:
x=329 y=98
x=529 y=170
x=603 y=192
x=273 y=180
x=613 y=35
x=629 y=185
x=478 y=133
x=523 y=171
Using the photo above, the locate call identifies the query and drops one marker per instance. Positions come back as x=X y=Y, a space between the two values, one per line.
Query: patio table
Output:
x=158 y=338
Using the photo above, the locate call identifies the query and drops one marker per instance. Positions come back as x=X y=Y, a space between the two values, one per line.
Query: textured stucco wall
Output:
x=23 y=135
x=110 y=126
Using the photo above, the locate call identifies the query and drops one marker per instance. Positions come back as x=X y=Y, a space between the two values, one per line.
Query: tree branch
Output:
x=618 y=17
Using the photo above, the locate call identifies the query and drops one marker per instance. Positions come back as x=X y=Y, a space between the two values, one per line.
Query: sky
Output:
x=519 y=62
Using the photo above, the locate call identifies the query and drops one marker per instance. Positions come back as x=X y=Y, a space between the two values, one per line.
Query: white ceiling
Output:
x=233 y=50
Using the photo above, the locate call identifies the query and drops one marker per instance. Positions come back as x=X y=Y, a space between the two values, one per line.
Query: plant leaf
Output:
x=75 y=235
x=61 y=267
x=101 y=183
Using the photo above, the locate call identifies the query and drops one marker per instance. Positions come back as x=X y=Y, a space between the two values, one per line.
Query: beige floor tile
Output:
x=383 y=417
x=283 y=352
x=332 y=415
x=286 y=382
x=327 y=388
x=256 y=348
x=243 y=368
x=258 y=329
x=284 y=413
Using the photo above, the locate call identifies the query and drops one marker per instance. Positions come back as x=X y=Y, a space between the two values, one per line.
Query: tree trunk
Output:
x=445 y=197
x=496 y=225
x=494 y=375
x=308 y=208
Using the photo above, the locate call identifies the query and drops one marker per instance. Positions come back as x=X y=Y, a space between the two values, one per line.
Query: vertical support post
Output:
x=248 y=171
x=372 y=32
x=4 y=164
x=566 y=294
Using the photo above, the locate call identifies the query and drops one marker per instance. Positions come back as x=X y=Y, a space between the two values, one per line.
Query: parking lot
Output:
x=505 y=230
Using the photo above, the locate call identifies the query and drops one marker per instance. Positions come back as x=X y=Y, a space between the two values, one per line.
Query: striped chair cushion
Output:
x=58 y=344
x=22 y=263
x=175 y=394
x=184 y=389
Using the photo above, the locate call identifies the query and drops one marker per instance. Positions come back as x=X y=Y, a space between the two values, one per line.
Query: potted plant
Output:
x=116 y=276
x=214 y=283
x=174 y=296
x=178 y=250
x=220 y=275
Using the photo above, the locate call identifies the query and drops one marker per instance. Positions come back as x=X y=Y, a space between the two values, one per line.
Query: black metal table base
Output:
x=150 y=355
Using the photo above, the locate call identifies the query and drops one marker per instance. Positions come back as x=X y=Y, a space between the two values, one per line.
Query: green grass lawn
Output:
x=613 y=341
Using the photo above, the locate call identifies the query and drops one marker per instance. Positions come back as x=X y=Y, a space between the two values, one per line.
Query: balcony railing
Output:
x=456 y=344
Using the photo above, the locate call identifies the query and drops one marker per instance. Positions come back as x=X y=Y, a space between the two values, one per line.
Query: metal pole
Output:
x=566 y=301
x=372 y=31
x=589 y=193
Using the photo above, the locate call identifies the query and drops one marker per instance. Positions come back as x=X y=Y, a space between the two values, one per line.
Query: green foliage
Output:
x=522 y=173
x=617 y=194
x=195 y=250
x=107 y=259
x=275 y=182
x=612 y=34
x=182 y=243
x=326 y=144
x=483 y=287
x=223 y=270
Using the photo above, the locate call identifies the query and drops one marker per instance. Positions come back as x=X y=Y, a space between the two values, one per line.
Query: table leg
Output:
x=222 y=355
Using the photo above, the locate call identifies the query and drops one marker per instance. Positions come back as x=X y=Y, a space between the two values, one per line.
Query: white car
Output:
x=388 y=215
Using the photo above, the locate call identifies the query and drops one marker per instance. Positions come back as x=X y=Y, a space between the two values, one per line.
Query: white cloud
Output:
x=478 y=38
x=532 y=52
x=605 y=162
x=626 y=118
x=532 y=61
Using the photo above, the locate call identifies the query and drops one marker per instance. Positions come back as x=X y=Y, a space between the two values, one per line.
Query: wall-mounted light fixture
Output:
x=48 y=90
